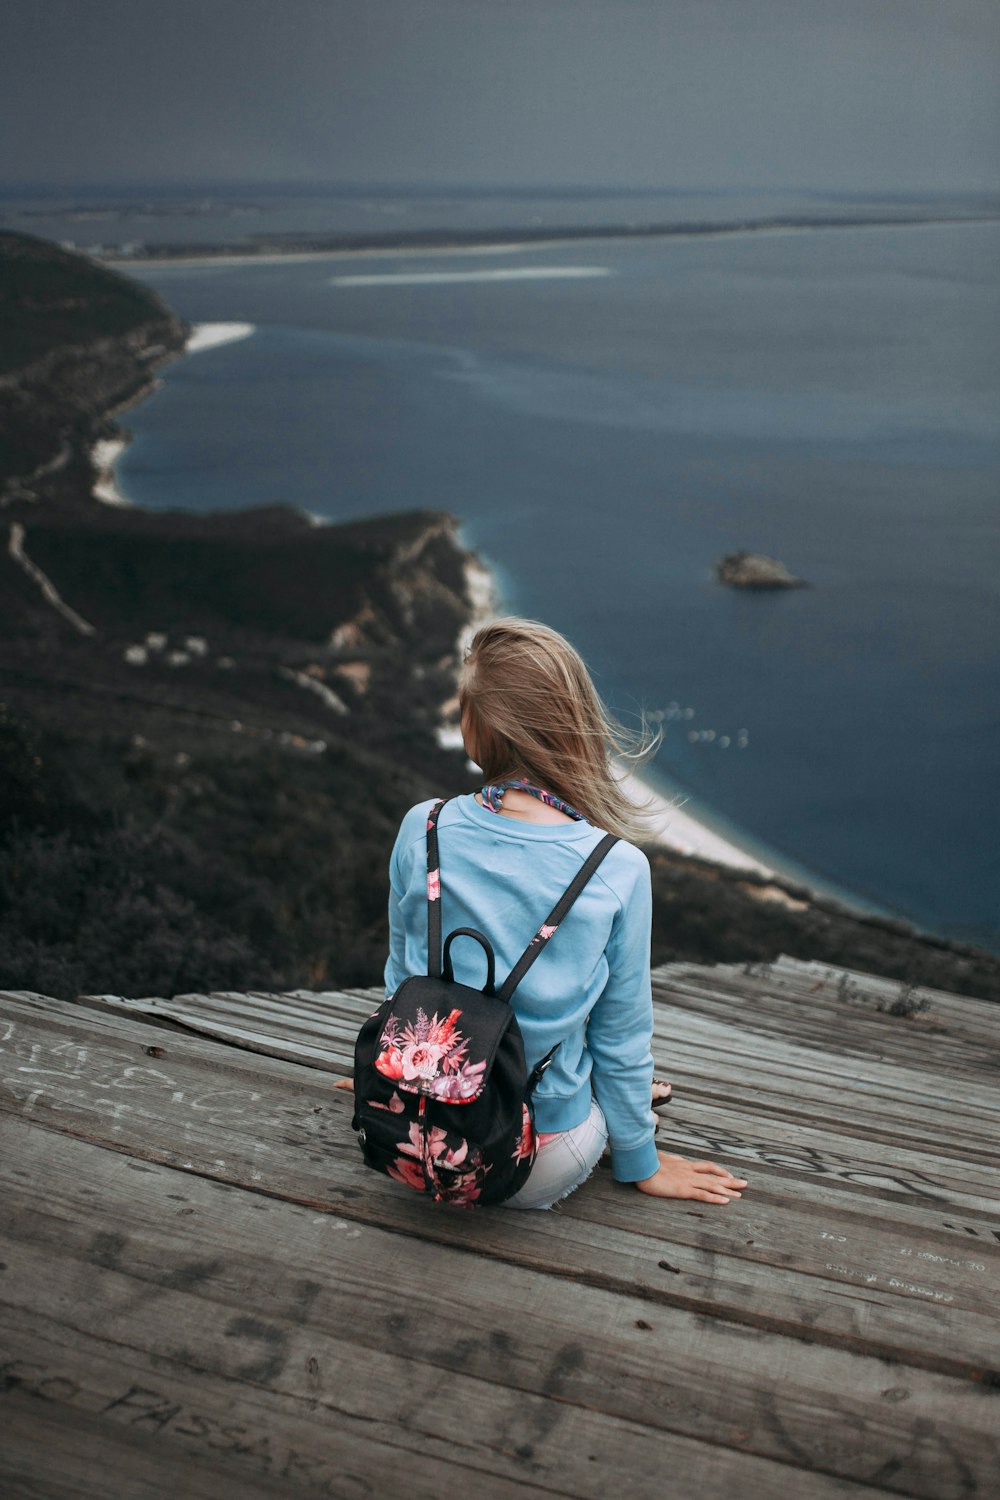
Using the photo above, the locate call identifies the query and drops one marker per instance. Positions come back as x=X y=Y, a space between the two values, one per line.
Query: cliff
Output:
x=77 y=343
x=210 y=726
x=206 y=750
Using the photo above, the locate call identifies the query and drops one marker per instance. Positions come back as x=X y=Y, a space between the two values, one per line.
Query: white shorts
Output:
x=564 y=1162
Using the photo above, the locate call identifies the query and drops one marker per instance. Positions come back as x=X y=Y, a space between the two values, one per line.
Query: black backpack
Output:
x=443 y=1099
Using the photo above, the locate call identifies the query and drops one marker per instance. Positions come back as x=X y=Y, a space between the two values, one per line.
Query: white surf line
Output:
x=444 y=278
x=105 y=454
x=211 y=335
x=16 y=549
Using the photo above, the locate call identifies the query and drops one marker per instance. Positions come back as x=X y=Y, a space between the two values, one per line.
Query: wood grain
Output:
x=204 y=1290
x=194 y=1255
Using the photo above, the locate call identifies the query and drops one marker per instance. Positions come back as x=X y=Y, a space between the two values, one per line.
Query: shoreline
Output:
x=106 y=452
x=671 y=827
x=786 y=879
x=519 y=241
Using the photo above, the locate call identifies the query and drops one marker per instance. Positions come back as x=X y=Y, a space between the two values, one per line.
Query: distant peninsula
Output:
x=210 y=725
x=449 y=237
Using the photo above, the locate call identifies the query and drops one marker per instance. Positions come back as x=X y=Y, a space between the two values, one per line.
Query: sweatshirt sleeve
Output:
x=408 y=839
x=619 y=1037
x=394 y=972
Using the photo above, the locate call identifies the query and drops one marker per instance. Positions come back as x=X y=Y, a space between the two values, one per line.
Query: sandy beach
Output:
x=681 y=831
x=672 y=827
x=105 y=454
x=211 y=335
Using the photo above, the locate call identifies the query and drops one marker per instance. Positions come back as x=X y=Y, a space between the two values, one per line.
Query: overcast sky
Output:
x=843 y=94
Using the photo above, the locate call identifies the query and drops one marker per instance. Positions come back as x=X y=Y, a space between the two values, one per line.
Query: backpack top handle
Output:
x=489 y=988
x=541 y=937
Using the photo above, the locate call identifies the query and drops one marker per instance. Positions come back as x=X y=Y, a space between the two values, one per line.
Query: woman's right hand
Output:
x=676 y=1177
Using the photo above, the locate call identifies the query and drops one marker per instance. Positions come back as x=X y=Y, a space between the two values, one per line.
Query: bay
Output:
x=829 y=396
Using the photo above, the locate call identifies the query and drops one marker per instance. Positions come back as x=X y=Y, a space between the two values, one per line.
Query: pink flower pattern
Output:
x=425 y=1157
x=430 y=1056
x=395 y=1105
x=390 y=1062
x=525 y=1148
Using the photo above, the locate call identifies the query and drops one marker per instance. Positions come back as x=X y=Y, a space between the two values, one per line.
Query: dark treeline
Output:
x=134 y=868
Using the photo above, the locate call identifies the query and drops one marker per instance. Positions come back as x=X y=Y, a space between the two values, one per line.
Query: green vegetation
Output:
x=137 y=869
x=246 y=864
x=52 y=298
x=76 y=341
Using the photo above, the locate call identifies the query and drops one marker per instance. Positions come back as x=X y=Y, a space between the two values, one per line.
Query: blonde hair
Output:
x=530 y=710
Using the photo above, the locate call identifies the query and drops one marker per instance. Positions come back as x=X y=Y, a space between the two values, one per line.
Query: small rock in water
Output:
x=754 y=570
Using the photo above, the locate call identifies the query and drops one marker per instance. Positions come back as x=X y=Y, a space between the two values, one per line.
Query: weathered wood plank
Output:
x=187 y=1257
x=704 y=1055
x=52 y=1451
x=829 y=994
x=270 y=1125
x=815 y=978
x=811 y=1003
x=920 y=1170
x=821 y=1240
x=341 y=1443
x=291 y=1011
x=925 y=1172
x=447 y=1434
x=847 y=1028
x=701 y=1039
x=328 y=1047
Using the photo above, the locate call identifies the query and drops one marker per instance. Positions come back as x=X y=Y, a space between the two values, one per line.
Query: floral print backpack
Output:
x=443 y=1098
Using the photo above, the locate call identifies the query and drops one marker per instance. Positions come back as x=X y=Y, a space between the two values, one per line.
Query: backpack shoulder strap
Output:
x=556 y=915
x=434 y=892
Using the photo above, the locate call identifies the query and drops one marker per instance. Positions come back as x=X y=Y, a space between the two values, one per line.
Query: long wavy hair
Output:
x=530 y=710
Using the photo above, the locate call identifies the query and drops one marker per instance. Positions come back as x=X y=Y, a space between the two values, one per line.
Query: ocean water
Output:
x=606 y=431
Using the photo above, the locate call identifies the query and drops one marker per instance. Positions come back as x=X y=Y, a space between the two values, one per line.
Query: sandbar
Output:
x=211 y=335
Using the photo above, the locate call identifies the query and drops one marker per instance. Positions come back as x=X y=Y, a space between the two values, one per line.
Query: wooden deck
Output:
x=205 y=1293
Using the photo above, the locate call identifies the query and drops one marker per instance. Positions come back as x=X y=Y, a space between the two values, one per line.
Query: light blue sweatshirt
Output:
x=589 y=989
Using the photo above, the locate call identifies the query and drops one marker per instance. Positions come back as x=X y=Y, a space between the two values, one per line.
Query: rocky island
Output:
x=210 y=725
x=755 y=570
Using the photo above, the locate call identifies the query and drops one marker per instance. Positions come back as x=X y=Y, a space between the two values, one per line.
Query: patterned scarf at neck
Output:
x=493 y=796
